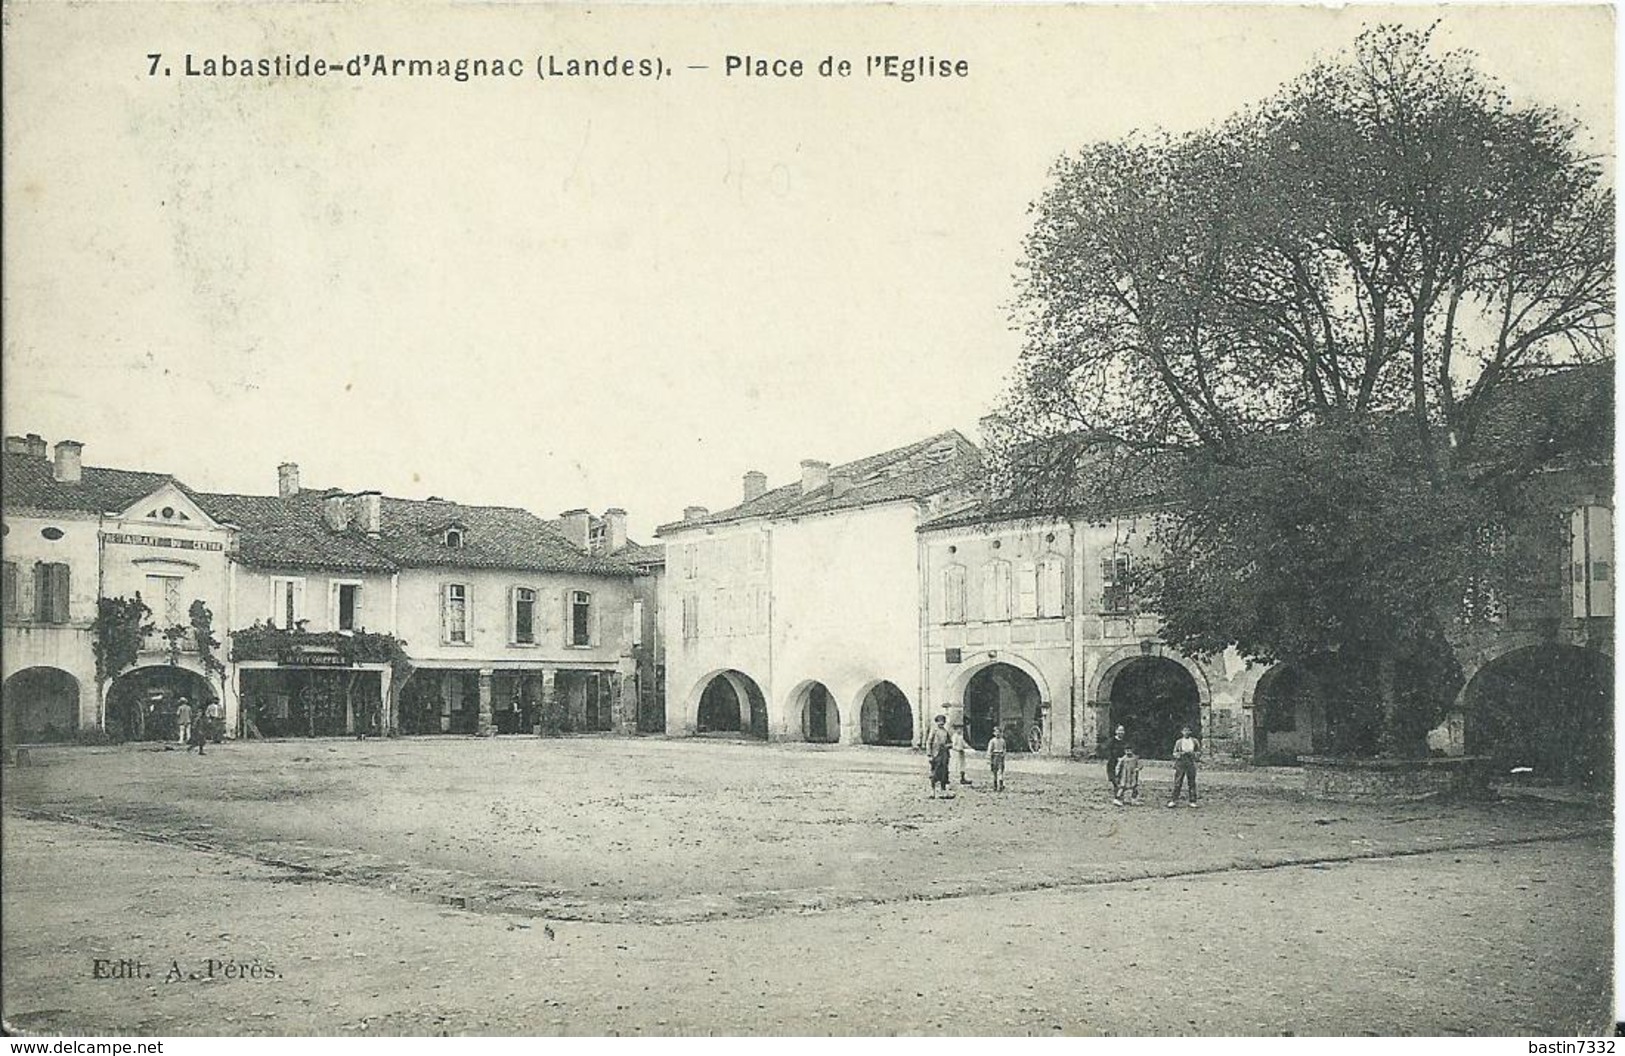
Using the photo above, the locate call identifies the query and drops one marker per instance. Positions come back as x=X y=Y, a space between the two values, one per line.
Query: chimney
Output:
x=695 y=513
x=814 y=475
x=16 y=445
x=287 y=479
x=755 y=484
x=367 y=512
x=67 y=469
x=336 y=512
x=36 y=445
x=840 y=483
x=614 y=529
x=577 y=526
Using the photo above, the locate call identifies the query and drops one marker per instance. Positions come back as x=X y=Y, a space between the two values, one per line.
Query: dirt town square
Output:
x=599 y=886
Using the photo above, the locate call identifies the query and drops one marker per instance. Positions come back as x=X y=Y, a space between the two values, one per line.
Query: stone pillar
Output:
x=386 y=703
x=548 y=714
x=485 y=727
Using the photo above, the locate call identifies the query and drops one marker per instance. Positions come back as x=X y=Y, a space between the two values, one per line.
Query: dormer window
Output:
x=454 y=538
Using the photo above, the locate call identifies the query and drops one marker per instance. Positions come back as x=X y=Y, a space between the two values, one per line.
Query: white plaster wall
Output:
x=846 y=592
x=736 y=560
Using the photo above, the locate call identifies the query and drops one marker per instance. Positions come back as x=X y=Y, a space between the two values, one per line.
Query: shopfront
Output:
x=312 y=693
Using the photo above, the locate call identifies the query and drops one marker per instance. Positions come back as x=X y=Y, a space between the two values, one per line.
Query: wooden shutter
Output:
x=1027 y=590
x=59 y=592
x=42 y=592
x=8 y=590
x=1051 y=586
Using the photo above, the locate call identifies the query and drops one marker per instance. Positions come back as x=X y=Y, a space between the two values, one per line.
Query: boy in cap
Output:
x=995 y=758
x=937 y=745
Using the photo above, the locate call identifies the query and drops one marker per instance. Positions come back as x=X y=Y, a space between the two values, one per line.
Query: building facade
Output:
x=322 y=612
x=74 y=535
x=794 y=615
x=1031 y=624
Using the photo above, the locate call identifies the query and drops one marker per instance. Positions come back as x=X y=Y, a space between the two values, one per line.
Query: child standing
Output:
x=1128 y=778
x=995 y=758
x=937 y=745
x=1186 y=750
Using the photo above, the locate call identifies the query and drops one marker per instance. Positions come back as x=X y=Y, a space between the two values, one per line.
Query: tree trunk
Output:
x=1388 y=694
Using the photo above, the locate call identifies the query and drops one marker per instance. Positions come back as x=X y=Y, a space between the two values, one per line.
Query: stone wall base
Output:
x=1335 y=778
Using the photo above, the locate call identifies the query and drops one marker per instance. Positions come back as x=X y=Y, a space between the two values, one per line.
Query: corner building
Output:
x=795 y=615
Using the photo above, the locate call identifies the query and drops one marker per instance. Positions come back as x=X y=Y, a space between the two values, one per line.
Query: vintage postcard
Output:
x=680 y=519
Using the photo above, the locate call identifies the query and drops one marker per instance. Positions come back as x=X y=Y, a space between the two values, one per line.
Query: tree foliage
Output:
x=1294 y=333
x=117 y=633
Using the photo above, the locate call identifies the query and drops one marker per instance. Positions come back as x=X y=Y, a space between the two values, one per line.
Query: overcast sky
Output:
x=555 y=294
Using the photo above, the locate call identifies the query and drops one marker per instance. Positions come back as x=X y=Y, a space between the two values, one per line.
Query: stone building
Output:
x=1030 y=623
x=335 y=612
x=508 y=622
x=75 y=534
x=794 y=615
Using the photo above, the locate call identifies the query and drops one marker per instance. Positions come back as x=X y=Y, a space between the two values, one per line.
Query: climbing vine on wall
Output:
x=117 y=633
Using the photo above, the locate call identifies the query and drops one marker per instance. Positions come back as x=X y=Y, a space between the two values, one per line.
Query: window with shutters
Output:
x=580 y=618
x=524 y=616
x=51 y=592
x=691 y=617
x=996 y=590
x=1026 y=590
x=8 y=591
x=287 y=603
x=953 y=594
x=1052 y=585
x=454 y=613
x=758 y=553
x=1116 y=576
x=637 y=621
x=1591 y=552
x=344 y=605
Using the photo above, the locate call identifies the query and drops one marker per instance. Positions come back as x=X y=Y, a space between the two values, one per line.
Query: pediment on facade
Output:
x=169 y=506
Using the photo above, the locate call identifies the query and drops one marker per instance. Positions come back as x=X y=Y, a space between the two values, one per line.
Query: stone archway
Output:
x=40 y=705
x=1005 y=696
x=1152 y=697
x=1289 y=716
x=819 y=715
x=141 y=702
x=727 y=702
x=886 y=717
x=1548 y=707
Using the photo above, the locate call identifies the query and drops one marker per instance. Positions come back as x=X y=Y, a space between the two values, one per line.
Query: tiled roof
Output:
x=639 y=554
x=413 y=534
x=926 y=467
x=27 y=482
x=290 y=533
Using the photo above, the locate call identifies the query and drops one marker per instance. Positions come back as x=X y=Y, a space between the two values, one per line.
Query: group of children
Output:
x=1123 y=768
x=1122 y=762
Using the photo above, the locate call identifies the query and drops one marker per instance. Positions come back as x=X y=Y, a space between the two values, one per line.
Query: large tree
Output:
x=1289 y=331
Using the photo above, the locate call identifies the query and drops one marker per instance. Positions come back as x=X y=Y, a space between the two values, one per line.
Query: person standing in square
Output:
x=183 y=722
x=937 y=745
x=1186 y=751
x=995 y=758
